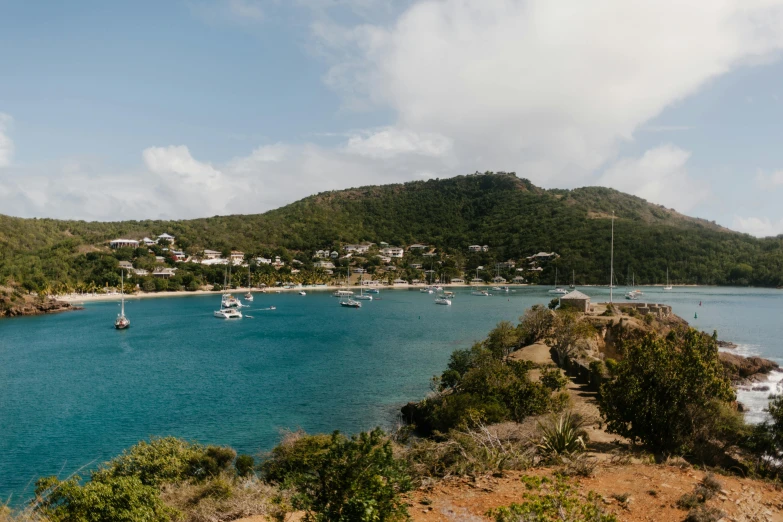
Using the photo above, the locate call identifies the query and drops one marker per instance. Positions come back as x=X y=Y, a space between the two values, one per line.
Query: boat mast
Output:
x=611 y=265
x=122 y=293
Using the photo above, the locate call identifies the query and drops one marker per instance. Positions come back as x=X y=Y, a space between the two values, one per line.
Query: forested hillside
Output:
x=512 y=216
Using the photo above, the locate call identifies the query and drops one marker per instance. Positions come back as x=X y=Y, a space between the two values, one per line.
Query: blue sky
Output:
x=180 y=109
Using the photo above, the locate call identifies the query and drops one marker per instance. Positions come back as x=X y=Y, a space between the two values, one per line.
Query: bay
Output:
x=74 y=392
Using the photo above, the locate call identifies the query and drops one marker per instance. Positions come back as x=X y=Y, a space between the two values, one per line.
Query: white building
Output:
x=147 y=241
x=237 y=257
x=417 y=246
x=212 y=254
x=263 y=261
x=141 y=272
x=121 y=243
x=166 y=237
x=474 y=248
x=359 y=249
x=393 y=252
x=164 y=273
x=126 y=265
x=324 y=264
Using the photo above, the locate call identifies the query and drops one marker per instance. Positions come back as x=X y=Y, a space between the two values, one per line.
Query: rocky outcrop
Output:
x=747 y=369
x=10 y=307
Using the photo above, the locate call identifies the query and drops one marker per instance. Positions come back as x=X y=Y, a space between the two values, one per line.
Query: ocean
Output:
x=75 y=392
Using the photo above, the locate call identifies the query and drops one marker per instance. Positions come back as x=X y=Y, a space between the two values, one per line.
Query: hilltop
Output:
x=510 y=214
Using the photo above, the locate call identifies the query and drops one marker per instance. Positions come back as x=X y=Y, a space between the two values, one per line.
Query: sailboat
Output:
x=573 y=280
x=668 y=286
x=248 y=295
x=227 y=308
x=634 y=293
x=557 y=290
x=362 y=296
x=122 y=322
x=611 y=266
x=229 y=301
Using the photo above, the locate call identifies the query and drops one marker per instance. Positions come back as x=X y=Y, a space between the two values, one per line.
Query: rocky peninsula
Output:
x=14 y=303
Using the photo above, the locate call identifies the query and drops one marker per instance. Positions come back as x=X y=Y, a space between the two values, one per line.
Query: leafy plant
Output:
x=553 y=500
x=562 y=435
x=340 y=479
x=553 y=379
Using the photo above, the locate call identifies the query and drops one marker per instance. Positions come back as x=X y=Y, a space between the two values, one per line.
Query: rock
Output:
x=740 y=368
x=727 y=345
x=33 y=306
x=760 y=388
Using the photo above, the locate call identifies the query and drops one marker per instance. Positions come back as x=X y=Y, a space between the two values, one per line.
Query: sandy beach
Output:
x=85 y=298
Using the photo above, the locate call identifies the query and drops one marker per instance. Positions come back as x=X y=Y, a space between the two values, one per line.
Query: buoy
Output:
x=695 y=316
x=699 y=303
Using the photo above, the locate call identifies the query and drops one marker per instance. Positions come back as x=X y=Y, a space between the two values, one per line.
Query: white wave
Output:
x=756 y=400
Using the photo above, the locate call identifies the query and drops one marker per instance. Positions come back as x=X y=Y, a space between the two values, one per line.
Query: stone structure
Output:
x=658 y=310
x=576 y=300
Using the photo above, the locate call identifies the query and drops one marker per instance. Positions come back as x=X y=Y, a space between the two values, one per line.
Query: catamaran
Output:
x=122 y=322
x=343 y=293
x=228 y=305
x=557 y=289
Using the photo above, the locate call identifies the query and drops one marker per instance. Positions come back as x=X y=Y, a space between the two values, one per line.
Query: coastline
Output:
x=84 y=298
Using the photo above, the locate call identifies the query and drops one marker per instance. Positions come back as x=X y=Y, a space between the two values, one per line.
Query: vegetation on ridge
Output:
x=512 y=216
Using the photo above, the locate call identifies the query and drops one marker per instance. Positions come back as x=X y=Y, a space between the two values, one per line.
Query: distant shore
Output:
x=84 y=298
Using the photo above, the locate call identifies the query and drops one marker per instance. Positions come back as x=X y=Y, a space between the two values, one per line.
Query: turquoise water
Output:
x=75 y=392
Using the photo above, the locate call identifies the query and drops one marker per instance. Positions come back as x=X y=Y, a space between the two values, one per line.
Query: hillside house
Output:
x=359 y=249
x=507 y=264
x=393 y=252
x=416 y=266
x=141 y=272
x=543 y=256
x=334 y=254
x=164 y=273
x=212 y=254
x=418 y=246
x=178 y=255
x=474 y=248
x=324 y=264
x=166 y=237
x=237 y=257
x=148 y=242
x=263 y=261
x=123 y=243
x=519 y=280
x=126 y=265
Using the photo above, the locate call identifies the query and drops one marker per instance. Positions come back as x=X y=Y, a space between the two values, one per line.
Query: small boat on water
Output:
x=448 y=295
x=122 y=322
x=373 y=291
x=480 y=292
x=343 y=293
x=249 y=297
x=229 y=301
x=442 y=301
x=426 y=290
x=228 y=313
x=497 y=289
x=557 y=289
x=302 y=292
x=350 y=303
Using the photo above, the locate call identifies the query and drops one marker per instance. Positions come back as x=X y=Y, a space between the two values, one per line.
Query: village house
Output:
x=359 y=249
x=383 y=244
x=122 y=243
x=474 y=248
x=178 y=255
x=278 y=263
x=393 y=252
x=324 y=264
x=416 y=266
x=263 y=261
x=237 y=257
x=147 y=241
x=543 y=256
x=160 y=259
x=321 y=254
x=141 y=272
x=458 y=281
x=126 y=265
x=385 y=259
x=418 y=246
x=399 y=281
x=507 y=264
x=212 y=254
x=498 y=279
x=519 y=279
x=334 y=254
x=166 y=237
x=164 y=273
x=536 y=269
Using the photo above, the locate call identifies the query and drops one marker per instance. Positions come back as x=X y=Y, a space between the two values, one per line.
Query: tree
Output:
x=569 y=333
x=502 y=340
x=340 y=479
x=534 y=324
x=662 y=389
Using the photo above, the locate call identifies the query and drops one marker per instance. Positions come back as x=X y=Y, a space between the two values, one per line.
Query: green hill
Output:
x=511 y=215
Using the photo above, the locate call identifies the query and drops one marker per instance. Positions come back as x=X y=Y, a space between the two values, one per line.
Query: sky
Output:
x=193 y=108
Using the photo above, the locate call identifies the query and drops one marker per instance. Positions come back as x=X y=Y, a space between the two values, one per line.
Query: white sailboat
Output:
x=248 y=295
x=611 y=266
x=668 y=286
x=122 y=322
x=557 y=289
x=443 y=301
x=228 y=305
x=362 y=296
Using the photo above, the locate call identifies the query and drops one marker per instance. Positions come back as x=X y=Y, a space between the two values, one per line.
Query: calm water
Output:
x=75 y=392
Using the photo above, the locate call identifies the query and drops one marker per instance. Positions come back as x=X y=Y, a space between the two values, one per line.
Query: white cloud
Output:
x=769 y=180
x=759 y=227
x=6 y=144
x=660 y=175
x=390 y=142
x=548 y=89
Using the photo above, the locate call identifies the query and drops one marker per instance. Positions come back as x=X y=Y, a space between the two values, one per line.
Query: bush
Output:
x=553 y=500
x=534 y=324
x=338 y=479
x=598 y=368
x=116 y=499
x=244 y=465
x=167 y=460
x=704 y=514
x=611 y=366
x=662 y=388
x=554 y=379
x=562 y=435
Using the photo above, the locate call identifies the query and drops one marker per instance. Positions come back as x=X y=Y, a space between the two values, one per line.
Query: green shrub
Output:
x=116 y=499
x=704 y=514
x=337 y=479
x=554 y=379
x=611 y=366
x=167 y=460
x=562 y=435
x=553 y=500
x=662 y=388
x=244 y=465
x=597 y=368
